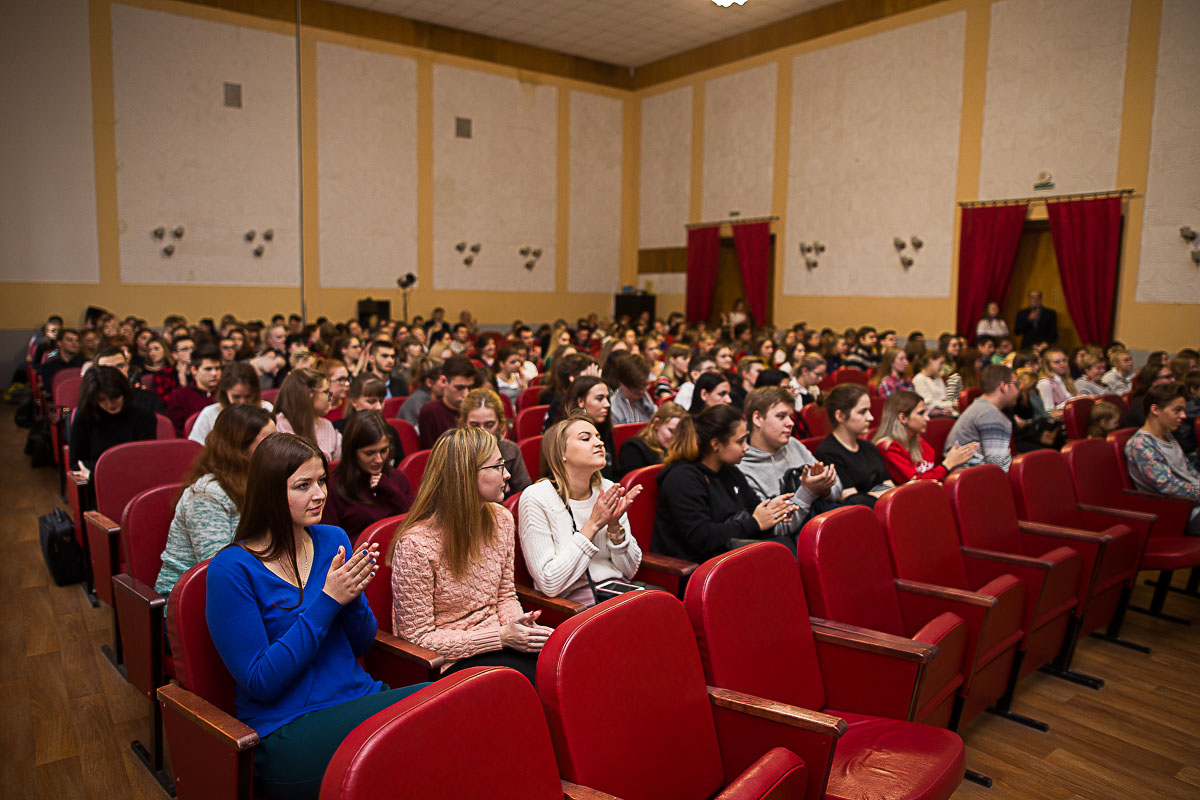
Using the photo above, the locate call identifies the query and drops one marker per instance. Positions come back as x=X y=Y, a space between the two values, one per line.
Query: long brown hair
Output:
x=225 y=454
x=295 y=402
x=892 y=429
x=266 y=510
x=238 y=373
x=351 y=481
x=452 y=502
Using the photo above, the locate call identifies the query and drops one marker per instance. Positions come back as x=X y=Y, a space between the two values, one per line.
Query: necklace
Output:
x=304 y=548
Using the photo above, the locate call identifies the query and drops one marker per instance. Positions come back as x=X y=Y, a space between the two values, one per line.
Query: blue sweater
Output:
x=287 y=662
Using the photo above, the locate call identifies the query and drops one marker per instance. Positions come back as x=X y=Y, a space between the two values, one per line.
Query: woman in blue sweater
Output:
x=286 y=612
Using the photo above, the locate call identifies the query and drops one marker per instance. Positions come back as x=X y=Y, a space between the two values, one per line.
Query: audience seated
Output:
x=106 y=416
x=364 y=487
x=649 y=446
x=427 y=384
x=711 y=389
x=891 y=374
x=675 y=371
x=984 y=422
x=440 y=414
x=858 y=463
x=286 y=612
x=907 y=455
x=381 y=363
x=238 y=384
x=590 y=395
x=863 y=354
x=1156 y=461
x=300 y=408
x=210 y=507
x=697 y=366
x=1153 y=373
x=1119 y=379
x=748 y=369
x=575 y=535
x=705 y=504
x=158 y=373
x=807 y=375
x=205 y=372
x=990 y=323
x=1103 y=419
x=452 y=563
x=927 y=382
x=630 y=401
x=1055 y=385
x=67 y=354
x=1091 y=381
x=509 y=378
x=481 y=408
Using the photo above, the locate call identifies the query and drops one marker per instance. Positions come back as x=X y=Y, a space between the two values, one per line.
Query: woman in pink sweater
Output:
x=452 y=562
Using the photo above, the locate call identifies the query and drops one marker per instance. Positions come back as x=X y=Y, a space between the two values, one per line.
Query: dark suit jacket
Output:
x=1044 y=329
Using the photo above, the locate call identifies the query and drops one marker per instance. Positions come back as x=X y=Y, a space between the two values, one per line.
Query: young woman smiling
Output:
x=907 y=455
x=365 y=487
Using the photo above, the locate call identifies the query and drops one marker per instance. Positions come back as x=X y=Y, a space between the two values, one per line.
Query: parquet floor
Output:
x=66 y=716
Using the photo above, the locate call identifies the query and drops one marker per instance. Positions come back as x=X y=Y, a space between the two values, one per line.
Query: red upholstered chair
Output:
x=531 y=454
x=391 y=406
x=623 y=433
x=850 y=375
x=669 y=573
x=65 y=375
x=812 y=444
x=1116 y=399
x=1045 y=495
x=1077 y=416
x=188 y=424
x=413 y=467
x=1056 y=583
x=936 y=433
x=631 y=664
x=336 y=413
x=848 y=579
x=529 y=397
x=923 y=540
x=663 y=399
x=1098 y=468
x=166 y=428
x=491 y=713
x=529 y=421
x=816 y=419
x=967 y=396
x=410 y=440
x=63 y=402
x=269 y=395
x=121 y=473
x=872 y=680
x=139 y=609
x=877 y=402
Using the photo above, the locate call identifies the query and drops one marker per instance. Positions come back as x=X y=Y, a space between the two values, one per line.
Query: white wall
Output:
x=48 y=188
x=874 y=155
x=594 y=231
x=367 y=166
x=498 y=188
x=183 y=158
x=739 y=143
x=1056 y=78
x=665 y=179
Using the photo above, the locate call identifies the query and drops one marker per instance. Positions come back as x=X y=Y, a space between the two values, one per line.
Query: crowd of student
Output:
x=292 y=488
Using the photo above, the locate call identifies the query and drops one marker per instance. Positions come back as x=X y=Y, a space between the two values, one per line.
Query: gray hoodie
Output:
x=767 y=474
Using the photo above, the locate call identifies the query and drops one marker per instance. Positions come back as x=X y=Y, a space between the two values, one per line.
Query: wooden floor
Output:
x=66 y=717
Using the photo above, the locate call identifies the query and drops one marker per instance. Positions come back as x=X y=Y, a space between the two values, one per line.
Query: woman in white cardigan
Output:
x=574 y=532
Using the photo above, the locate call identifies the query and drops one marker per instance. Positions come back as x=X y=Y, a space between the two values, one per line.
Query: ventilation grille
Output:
x=233 y=95
x=462 y=127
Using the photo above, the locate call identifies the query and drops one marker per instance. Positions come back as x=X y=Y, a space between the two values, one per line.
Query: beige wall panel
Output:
x=1056 y=76
x=594 y=249
x=665 y=168
x=497 y=188
x=184 y=158
x=739 y=143
x=367 y=166
x=874 y=153
x=663 y=282
x=1167 y=272
x=48 y=189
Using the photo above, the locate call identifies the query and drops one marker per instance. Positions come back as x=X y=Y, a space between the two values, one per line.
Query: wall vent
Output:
x=233 y=95
x=462 y=127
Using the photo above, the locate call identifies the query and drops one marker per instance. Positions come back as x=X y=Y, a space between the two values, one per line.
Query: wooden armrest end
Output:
x=132 y=586
x=574 y=791
x=945 y=593
x=98 y=520
x=1014 y=559
x=865 y=639
x=560 y=604
x=232 y=732
x=1075 y=534
x=671 y=566
x=408 y=651
x=792 y=716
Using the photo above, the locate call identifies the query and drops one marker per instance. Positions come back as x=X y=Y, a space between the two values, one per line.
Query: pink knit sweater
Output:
x=457 y=617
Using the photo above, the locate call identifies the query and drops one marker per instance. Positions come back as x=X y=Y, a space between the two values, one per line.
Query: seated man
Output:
x=187 y=400
x=426 y=386
x=776 y=463
x=865 y=355
x=699 y=364
x=67 y=355
x=984 y=420
x=440 y=415
x=748 y=368
x=1156 y=461
x=630 y=402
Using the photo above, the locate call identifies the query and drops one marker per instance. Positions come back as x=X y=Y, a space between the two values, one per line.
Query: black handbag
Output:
x=63 y=555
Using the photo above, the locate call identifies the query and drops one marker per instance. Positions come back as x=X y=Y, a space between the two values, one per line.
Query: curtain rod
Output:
x=731 y=221
x=1044 y=199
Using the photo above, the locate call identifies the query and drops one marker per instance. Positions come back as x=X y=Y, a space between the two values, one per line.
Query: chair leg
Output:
x=154 y=761
x=1061 y=666
x=979 y=778
x=956 y=714
x=1192 y=589
x=1003 y=706
x=115 y=654
x=1161 y=587
x=1112 y=634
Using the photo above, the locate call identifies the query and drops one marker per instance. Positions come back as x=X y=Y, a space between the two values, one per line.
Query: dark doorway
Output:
x=730 y=287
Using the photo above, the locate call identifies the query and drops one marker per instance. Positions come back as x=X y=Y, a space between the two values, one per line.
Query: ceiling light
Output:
x=728 y=3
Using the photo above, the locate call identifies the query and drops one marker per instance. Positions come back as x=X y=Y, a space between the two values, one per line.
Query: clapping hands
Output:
x=346 y=580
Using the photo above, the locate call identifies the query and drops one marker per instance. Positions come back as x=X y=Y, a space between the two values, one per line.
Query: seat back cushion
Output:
x=922 y=534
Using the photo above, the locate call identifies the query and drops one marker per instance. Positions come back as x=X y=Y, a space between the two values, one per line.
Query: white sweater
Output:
x=933 y=392
x=558 y=558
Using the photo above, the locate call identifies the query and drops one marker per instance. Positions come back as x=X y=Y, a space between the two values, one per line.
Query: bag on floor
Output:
x=64 y=556
x=39 y=446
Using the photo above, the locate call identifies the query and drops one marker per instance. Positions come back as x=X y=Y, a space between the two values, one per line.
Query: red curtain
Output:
x=1087 y=236
x=987 y=250
x=703 y=251
x=753 y=243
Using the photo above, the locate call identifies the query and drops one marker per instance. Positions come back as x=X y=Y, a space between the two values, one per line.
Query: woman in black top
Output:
x=590 y=394
x=106 y=417
x=364 y=487
x=711 y=389
x=858 y=463
x=705 y=506
x=650 y=445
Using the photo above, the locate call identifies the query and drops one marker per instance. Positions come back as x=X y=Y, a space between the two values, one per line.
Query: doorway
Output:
x=1036 y=267
x=730 y=286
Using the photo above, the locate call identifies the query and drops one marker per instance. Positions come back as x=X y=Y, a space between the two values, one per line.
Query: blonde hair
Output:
x=452 y=500
x=1044 y=370
x=554 y=449
x=483 y=398
x=666 y=412
x=884 y=367
x=893 y=429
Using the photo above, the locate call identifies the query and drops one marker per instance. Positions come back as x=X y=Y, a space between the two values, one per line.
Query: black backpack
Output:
x=64 y=556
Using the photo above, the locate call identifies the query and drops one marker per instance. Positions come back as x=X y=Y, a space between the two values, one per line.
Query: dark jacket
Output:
x=393 y=495
x=699 y=511
x=1044 y=329
x=635 y=454
x=89 y=438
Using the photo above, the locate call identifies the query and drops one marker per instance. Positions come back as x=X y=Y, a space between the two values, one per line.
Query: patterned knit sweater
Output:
x=455 y=616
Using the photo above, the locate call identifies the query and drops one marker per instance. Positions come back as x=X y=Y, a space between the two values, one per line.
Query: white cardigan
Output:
x=558 y=558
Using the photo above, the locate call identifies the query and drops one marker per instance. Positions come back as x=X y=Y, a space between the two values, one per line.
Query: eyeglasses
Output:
x=496 y=467
x=340 y=380
x=325 y=392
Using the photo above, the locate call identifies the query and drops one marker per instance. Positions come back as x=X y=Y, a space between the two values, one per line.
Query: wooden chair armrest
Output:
x=574 y=791
x=870 y=641
x=1166 y=498
x=414 y=653
x=1075 y=534
x=560 y=605
x=98 y=520
x=231 y=732
x=671 y=566
x=1014 y=559
x=135 y=588
x=1140 y=516
x=945 y=593
x=792 y=716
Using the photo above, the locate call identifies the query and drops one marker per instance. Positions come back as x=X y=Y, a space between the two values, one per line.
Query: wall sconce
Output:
x=475 y=248
x=168 y=250
x=525 y=250
x=258 y=251
x=917 y=242
x=468 y=261
x=1196 y=257
x=531 y=263
x=810 y=262
x=178 y=232
x=249 y=236
x=1188 y=233
x=899 y=243
x=819 y=247
x=461 y=246
x=906 y=261
x=536 y=252
x=531 y=255
x=268 y=234
x=159 y=232
x=806 y=247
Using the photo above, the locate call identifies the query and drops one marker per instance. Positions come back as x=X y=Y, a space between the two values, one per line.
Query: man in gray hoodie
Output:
x=776 y=463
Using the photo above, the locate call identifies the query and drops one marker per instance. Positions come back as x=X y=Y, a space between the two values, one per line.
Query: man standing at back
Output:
x=985 y=422
x=1036 y=323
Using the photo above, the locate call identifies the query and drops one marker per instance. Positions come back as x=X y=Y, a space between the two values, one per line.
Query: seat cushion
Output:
x=888 y=759
x=1171 y=552
x=779 y=774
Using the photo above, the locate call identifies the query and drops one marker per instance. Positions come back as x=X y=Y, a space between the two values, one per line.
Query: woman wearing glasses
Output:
x=482 y=408
x=300 y=408
x=364 y=488
x=452 y=563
